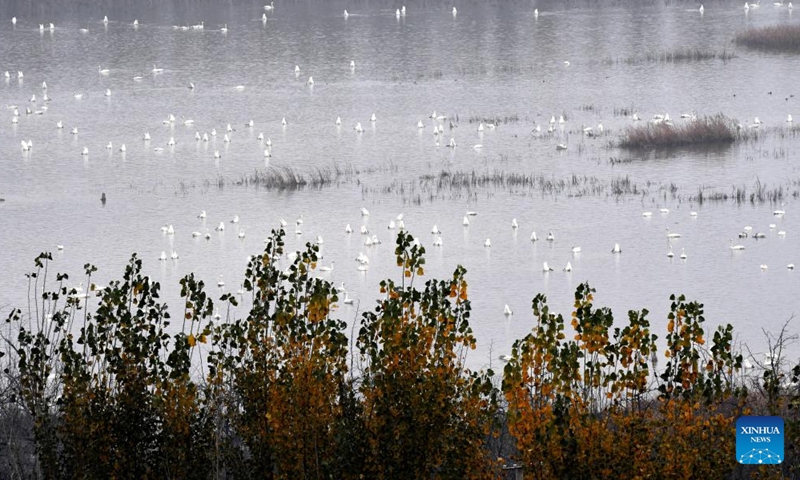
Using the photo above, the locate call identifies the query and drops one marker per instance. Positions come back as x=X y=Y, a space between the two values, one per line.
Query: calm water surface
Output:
x=490 y=61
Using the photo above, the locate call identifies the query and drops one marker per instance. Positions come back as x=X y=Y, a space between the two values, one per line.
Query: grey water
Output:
x=493 y=60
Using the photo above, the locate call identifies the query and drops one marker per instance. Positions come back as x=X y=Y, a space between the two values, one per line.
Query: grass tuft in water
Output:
x=777 y=37
x=678 y=55
x=717 y=129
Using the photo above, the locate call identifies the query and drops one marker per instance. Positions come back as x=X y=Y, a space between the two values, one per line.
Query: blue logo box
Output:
x=759 y=440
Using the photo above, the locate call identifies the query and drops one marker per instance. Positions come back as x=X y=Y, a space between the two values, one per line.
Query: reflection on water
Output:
x=492 y=64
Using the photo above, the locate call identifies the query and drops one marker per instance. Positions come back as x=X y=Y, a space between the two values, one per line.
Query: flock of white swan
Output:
x=555 y=126
x=370 y=239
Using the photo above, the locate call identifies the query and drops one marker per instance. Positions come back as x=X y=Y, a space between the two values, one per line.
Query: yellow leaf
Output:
x=191 y=340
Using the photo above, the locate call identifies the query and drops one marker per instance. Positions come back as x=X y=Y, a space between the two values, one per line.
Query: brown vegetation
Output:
x=775 y=37
x=716 y=129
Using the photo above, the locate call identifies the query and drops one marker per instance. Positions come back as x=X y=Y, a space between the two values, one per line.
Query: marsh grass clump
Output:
x=678 y=55
x=717 y=129
x=784 y=38
x=494 y=119
x=288 y=178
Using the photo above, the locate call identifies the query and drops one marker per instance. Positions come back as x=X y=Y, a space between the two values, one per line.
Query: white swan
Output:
x=683 y=254
x=358 y=128
x=241 y=234
x=163 y=256
x=347 y=300
x=284 y=122
x=546 y=268
x=672 y=234
x=373 y=118
x=216 y=154
x=465 y=222
x=271 y=6
x=264 y=18
x=364 y=230
x=561 y=146
x=735 y=247
x=669 y=253
x=364 y=212
x=85 y=151
x=568 y=268
x=108 y=92
x=109 y=146
x=156 y=69
x=507 y=311
x=764 y=266
x=514 y=223
x=122 y=148
x=576 y=249
x=487 y=243
x=534 y=238
x=437 y=242
x=267 y=153
x=103 y=71
x=455 y=11
x=550 y=236
x=174 y=255
x=435 y=230
x=220 y=227
x=346 y=14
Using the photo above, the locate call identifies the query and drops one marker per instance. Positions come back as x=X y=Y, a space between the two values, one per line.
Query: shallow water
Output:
x=490 y=61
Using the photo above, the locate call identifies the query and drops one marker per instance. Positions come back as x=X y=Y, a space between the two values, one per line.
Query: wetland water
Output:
x=491 y=61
